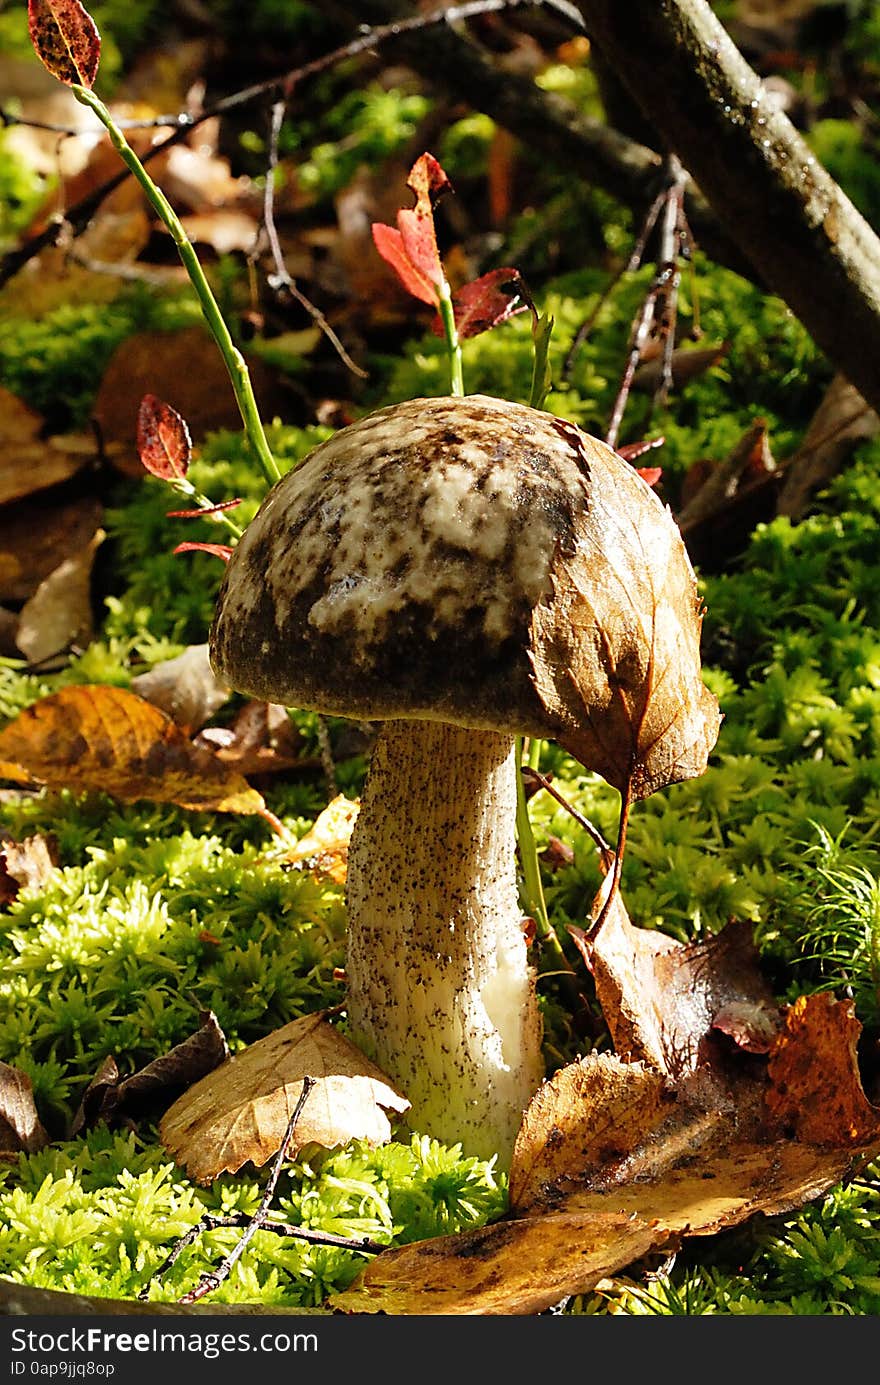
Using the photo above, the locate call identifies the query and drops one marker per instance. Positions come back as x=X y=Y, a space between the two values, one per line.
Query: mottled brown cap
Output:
x=477 y=562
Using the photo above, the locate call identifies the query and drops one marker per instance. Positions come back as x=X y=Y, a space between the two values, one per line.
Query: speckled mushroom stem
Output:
x=441 y=993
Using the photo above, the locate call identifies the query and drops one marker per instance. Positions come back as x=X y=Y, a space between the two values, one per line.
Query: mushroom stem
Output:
x=441 y=994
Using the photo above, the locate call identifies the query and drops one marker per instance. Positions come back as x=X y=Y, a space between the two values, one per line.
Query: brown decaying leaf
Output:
x=28 y=463
x=687 y=364
x=36 y=537
x=108 y=1097
x=325 y=847
x=261 y=740
x=66 y=40
x=631 y=704
x=24 y=865
x=660 y=998
x=59 y=614
x=20 y=1128
x=612 y=1161
x=240 y=1112
x=185 y=689
x=106 y=739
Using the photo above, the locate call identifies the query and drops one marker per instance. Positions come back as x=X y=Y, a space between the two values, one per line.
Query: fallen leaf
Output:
x=261 y=740
x=29 y=463
x=186 y=689
x=240 y=1112
x=226 y=229
x=105 y=739
x=108 y=1097
x=688 y=363
x=613 y=1161
x=661 y=998
x=623 y=626
x=325 y=847
x=59 y=614
x=163 y=440
x=842 y=420
x=20 y=1128
x=66 y=40
x=35 y=537
x=24 y=865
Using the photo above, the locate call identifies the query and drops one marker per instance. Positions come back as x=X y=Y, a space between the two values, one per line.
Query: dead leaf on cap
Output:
x=240 y=1112
x=105 y=739
x=20 y=1128
x=616 y=652
x=614 y=1160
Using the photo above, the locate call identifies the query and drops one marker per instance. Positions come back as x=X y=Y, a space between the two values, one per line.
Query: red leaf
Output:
x=217 y=550
x=163 y=439
x=203 y=510
x=630 y=450
x=66 y=40
x=389 y=243
x=486 y=302
x=650 y=474
x=411 y=249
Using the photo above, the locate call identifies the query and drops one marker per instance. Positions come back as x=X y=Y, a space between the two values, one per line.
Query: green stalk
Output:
x=533 y=890
x=235 y=363
x=453 y=346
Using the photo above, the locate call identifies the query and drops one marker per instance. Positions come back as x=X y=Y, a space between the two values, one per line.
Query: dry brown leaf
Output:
x=109 y=1097
x=325 y=847
x=59 y=614
x=106 y=739
x=186 y=688
x=24 y=865
x=660 y=998
x=35 y=537
x=842 y=419
x=688 y=363
x=240 y=1112
x=261 y=740
x=612 y=1162
x=20 y=1128
x=28 y=463
x=625 y=629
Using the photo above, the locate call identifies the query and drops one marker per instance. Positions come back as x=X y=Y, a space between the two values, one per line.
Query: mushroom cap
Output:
x=472 y=561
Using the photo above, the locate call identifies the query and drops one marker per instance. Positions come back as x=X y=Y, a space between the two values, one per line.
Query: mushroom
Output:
x=465 y=570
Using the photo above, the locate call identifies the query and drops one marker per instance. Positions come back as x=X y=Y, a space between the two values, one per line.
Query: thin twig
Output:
x=214 y=1278
x=547 y=785
x=280 y=279
x=593 y=931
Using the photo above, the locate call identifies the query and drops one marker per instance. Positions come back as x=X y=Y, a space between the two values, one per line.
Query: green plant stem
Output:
x=235 y=362
x=533 y=890
x=447 y=317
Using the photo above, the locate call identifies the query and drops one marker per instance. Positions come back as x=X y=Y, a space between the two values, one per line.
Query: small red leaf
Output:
x=217 y=550
x=389 y=243
x=486 y=302
x=650 y=474
x=411 y=249
x=65 y=39
x=163 y=439
x=631 y=450
x=203 y=510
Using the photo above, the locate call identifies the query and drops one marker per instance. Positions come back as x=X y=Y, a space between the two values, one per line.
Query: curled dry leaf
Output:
x=325 y=847
x=109 y=1097
x=27 y=462
x=35 y=538
x=240 y=1112
x=661 y=999
x=66 y=40
x=261 y=740
x=105 y=739
x=620 y=1161
x=631 y=704
x=20 y=1128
